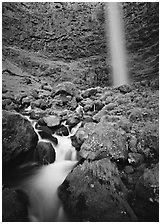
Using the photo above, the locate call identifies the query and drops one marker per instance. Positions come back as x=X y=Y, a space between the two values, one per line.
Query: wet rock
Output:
x=106 y=140
x=52 y=121
x=93 y=188
x=47 y=136
x=135 y=158
x=14 y=208
x=67 y=88
x=79 y=138
x=44 y=153
x=62 y=131
x=18 y=136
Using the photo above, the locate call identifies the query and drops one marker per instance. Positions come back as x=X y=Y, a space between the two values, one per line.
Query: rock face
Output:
x=94 y=192
x=18 y=136
x=14 y=209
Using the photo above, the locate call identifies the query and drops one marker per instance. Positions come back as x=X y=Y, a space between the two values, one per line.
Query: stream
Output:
x=41 y=188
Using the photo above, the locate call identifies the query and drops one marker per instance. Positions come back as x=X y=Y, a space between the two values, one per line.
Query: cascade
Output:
x=41 y=188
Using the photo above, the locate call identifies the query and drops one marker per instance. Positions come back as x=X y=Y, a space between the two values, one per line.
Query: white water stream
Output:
x=41 y=188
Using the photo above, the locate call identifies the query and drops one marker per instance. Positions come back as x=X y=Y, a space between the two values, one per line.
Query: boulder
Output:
x=18 y=136
x=147 y=186
x=52 y=120
x=44 y=153
x=125 y=88
x=105 y=140
x=62 y=131
x=92 y=189
x=146 y=204
x=13 y=207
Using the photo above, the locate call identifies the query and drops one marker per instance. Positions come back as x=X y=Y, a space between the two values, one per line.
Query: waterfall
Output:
x=41 y=188
x=115 y=29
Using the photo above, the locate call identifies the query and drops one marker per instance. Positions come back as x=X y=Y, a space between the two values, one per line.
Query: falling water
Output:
x=41 y=188
x=114 y=23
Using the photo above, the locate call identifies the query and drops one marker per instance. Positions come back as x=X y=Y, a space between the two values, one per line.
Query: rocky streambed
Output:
x=117 y=145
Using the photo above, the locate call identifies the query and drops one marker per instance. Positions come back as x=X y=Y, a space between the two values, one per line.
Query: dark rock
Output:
x=13 y=208
x=125 y=88
x=129 y=169
x=18 y=136
x=46 y=135
x=44 y=153
x=147 y=186
x=62 y=131
x=98 y=105
x=146 y=203
x=93 y=188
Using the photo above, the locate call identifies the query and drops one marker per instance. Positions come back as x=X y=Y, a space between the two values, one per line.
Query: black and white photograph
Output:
x=80 y=111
